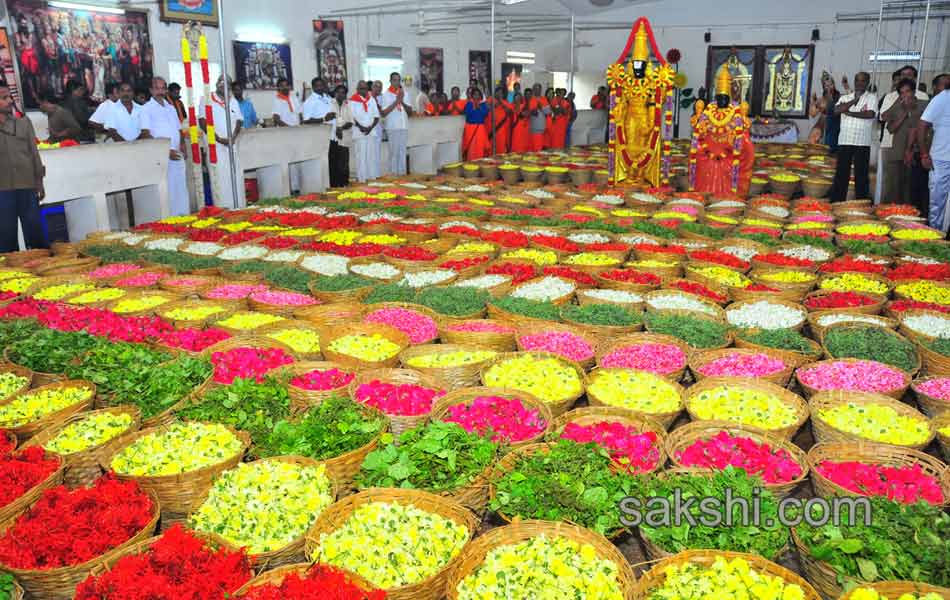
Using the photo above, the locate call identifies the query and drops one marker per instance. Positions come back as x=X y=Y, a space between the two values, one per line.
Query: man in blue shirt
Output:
x=247 y=108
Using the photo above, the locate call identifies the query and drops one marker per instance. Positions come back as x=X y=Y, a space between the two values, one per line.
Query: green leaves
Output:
x=780 y=339
x=529 y=308
x=871 y=343
x=453 y=301
x=390 y=292
x=866 y=247
x=339 y=283
x=929 y=249
x=263 y=405
x=697 y=332
x=51 y=351
x=600 y=314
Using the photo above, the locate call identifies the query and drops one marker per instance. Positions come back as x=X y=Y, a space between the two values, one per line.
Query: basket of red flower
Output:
x=636 y=442
x=302 y=581
x=856 y=302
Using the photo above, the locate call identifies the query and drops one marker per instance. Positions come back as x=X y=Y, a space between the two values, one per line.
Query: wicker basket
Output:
x=590 y=415
x=201 y=283
x=467 y=395
x=450 y=378
x=533 y=329
x=242 y=341
x=19 y=372
x=559 y=301
x=82 y=468
x=664 y=419
x=787 y=398
x=284 y=310
x=267 y=332
x=325 y=315
x=17 y=506
x=276 y=576
x=226 y=309
x=825 y=433
x=498 y=341
x=713 y=310
x=799 y=288
x=869 y=309
x=146 y=312
x=821 y=574
x=887 y=331
x=934 y=364
x=818 y=330
x=700 y=359
x=473 y=554
x=811 y=392
x=60 y=583
x=777 y=302
x=182 y=493
x=928 y=404
x=683 y=437
x=602 y=331
x=28 y=430
x=67 y=266
x=729 y=335
x=337 y=515
x=302 y=399
x=16 y=259
x=789 y=356
x=894 y=589
x=332 y=333
x=636 y=339
x=417 y=308
x=398 y=423
x=876 y=454
x=637 y=288
x=559 y=405
x=49 y=282
x=656 y=576
x=920 y=336
x=353 y=295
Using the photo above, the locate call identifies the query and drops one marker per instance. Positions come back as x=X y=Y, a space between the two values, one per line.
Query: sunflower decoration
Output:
x=616 y=76
x=680 y=80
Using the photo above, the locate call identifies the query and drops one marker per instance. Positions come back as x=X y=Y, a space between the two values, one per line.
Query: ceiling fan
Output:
x=510 y=36
x=423 y=28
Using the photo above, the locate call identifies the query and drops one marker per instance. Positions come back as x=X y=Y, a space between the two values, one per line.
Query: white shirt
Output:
x=127 y=124
x=220 y=118
x=343 y=116
x=101 y=115
x=363 y=117
x=162 y=122
x=316 y=106
x=397 y=117
x=289 y=113
x=889 y=100
x=937 y=114
x=855 y=131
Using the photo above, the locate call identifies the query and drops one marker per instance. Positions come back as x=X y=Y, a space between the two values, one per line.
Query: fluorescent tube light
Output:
x=88 y=7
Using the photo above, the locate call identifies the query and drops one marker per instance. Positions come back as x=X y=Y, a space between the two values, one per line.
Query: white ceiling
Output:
x=586 y=8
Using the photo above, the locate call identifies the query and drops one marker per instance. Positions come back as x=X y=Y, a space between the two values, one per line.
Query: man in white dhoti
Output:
x=376 y=163
x=227 y=152
x=159 y=119
x=98 y=119
x=395 y=110
x=365 y=123
x=318 y=110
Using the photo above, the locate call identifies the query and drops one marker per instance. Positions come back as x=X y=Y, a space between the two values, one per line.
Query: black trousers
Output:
x=920 y=186
x=339 y=165
x=20 y=204
x=861 y=157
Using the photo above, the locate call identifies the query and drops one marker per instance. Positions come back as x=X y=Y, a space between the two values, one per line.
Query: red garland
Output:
x=22 y=471
x=322 y=582
x=68 y=527
x=177 y=565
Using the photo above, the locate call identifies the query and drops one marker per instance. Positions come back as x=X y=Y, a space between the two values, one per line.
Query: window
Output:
x=381 y=61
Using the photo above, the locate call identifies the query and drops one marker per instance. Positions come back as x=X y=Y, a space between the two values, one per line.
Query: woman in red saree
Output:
x=561 y=119
x=475 y=142
x=549 y=102
x=520 y=131
x=503 y=115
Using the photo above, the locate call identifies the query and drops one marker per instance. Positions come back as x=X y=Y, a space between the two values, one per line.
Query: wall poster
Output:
x=260 y=65
x=479 y=69
x=331 y=52
x=431 y=69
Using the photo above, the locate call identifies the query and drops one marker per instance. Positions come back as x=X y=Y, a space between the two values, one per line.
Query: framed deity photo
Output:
x=182 y=11
x=786 y=81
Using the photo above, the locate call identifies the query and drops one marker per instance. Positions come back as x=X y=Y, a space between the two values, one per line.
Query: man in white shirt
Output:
x=395 y=110
x=225 y=146
x=124 y=120
x=317 y=109
x=99 y=117
x=286 y=110
x=935 y=155
x=858 y=111
x=376 y=91
x=891 y=164
x=365 y=122
x=159 y=119
x=341 y=138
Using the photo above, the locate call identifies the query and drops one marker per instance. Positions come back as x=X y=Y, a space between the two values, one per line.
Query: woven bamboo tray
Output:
x=656 y=576
x=425 y=311
x=474 y=554
x=450 y=378
x=325 y=315
x=664 y=419
x=637 y=339
x=334 y=517
x=558 y=406
x=869 y=309
x=934 y=364
x=467 y=395
x=27 y=430
x=291 y=553
x=182 y=493
x=590 y=415
x=818 y=330
x=698 y=360
x=810 y=391
x=875 y=454
x=786 y=397
x=533 y=329
x=825 y=433
x=274 y=577
x=913 y=334
x=267 y=331
x=82 y=468
x=19 y=372
x=60 y=583
x=67 y=266
x=929 y=405
x=398 y=423
x=500 y=342
x=849 y=326
x=683 y=437
x=894 y=589
x=226 y=309
x=302 y=399
x=729 y=334
x=789 y=305
x=332 y=333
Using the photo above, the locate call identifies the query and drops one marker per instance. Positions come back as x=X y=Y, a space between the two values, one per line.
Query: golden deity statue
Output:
x=641 y=114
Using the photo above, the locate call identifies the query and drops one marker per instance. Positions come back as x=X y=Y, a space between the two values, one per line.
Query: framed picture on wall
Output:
x=182 y=11
x=479 y=69
x=510 y=75
x=261 y=65
x=786 y=85
x=741 y=62
x=431 y=69
x=331 y=52
x=8 y=69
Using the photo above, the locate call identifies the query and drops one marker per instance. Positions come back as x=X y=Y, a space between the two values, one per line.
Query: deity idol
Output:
x=721 y=154
x=641 y=114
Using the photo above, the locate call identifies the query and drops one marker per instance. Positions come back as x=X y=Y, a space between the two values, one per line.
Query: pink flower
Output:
x=506 y=420
x=725 y=450
x=283 y=298
x=113 y=270
x=481 y=327
x=194 y=340
x=235 y=291
x=146 y=279
x=329 y=379
x=636 y=451
x=562 y=343
x=417 y=326
x=936 y=388
x=656 y=358
x=405 y=400
x=742 y=365
x=247 y=363
x=902 y=484
x=859 y=376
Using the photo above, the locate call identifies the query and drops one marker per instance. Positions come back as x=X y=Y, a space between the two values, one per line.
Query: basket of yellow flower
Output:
x=555 y=380
x=869 y=283
x=59 y=288
x=784 y=279
x=784 y=183
x=732 y=572
x=185 y=314
x=363 y=345
x=533 y=549
x=510 y=173
x=849 y=417
x=748 y=402
x=641 y=393
x=896 y=590
x=243 y=322
x=14 y=380
x=32 y=411
x=405 y=514
x=273 y=578
x=302 y=337
x=452 y=366
x=878 y=455
x=143 y=303
x=97 y=298
x=640 y=422
x=177 y=462
x=816 y=187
